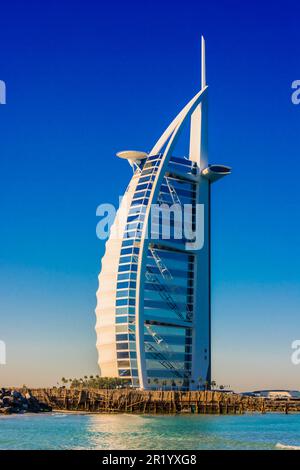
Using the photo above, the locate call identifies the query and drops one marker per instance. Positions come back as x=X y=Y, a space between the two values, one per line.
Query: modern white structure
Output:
x=153 y=302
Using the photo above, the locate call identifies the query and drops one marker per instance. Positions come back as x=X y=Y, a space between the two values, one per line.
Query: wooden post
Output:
x=286 y=408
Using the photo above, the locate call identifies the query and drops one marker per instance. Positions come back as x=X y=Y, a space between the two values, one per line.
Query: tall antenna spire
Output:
x=203 y=63
x=198 y=132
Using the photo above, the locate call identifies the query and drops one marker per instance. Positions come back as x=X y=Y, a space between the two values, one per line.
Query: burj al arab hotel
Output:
x=154 y=298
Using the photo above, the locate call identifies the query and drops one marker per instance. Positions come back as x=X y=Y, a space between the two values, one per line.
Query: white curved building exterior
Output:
x=153 y=302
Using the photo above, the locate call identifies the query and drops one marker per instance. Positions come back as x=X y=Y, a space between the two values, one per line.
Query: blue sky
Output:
x=86 y=79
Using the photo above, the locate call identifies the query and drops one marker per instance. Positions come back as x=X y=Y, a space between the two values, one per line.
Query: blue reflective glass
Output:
x=122 y=293
x=127 y=267
x=122 y=277
x=121 y=320
x=137 y=217
x=168 y=374
x=121 y=337
x=122 y=285
x=137 y=211
x=127 y=243
x=129 y=275
x=124 y=373
x=134 y=224
x=146 y=179
x=126 y=293
x=182 y=160
x=121 y=346
x=147 y=185
x=154 y=157
x=142 y=193
x=120 y=302
x=125 y=259
x=138 y=200
x=148 y=171
x=126 y=285
x=123 y=355
x=126 y=251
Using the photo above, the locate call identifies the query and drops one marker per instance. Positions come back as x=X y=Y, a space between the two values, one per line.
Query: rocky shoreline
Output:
x=13 y=401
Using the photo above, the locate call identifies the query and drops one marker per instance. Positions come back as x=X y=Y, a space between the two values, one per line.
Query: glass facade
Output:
x=169 y=278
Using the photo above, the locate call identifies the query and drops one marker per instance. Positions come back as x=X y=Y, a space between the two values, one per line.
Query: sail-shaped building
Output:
x=154 y=298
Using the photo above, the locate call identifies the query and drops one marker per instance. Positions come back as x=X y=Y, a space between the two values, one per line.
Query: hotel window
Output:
x=121 y=328
x=125 y=276
x=127 y=267
x=124 y=373
x=121 y=302
x=122 y=355
x=147 y=179
x=124 y=310
x=121 y=337
x=121 y=319
x=121 y=311
x=123 y=363
x=127 y=243
x=126 y=285
x=121 y=346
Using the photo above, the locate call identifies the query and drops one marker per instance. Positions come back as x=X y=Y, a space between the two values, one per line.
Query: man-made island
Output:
x=126 y=400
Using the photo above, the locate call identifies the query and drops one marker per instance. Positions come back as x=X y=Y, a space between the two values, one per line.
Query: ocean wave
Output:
x=286 y=446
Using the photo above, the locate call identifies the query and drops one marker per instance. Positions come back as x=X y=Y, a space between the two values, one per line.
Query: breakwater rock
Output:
x=142 y=401
x=15 y=401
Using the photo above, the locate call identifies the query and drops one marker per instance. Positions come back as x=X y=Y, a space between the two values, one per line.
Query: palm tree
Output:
x=213 y=384
x=200 y=380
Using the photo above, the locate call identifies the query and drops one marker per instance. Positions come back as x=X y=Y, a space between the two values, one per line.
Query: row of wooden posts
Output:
x=166 y=402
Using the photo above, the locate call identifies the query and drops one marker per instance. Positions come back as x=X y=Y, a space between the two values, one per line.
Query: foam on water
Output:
x=286 y=446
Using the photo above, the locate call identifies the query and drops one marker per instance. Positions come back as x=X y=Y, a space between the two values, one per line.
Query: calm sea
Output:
x=68 y=431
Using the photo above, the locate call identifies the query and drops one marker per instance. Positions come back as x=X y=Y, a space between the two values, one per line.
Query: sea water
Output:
x=124 y=431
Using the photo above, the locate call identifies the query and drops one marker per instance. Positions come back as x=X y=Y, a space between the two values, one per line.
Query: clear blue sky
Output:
x=85 y=79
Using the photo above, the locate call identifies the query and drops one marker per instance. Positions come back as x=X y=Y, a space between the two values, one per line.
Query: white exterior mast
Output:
x=203 y=63
x=198 y=134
